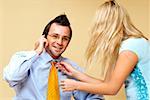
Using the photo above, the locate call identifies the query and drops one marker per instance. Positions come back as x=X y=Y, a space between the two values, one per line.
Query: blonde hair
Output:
x=111 y=26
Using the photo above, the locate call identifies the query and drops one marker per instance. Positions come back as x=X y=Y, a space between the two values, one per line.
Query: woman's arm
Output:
x=124 y=65
x=86 y=78
x=69 y=70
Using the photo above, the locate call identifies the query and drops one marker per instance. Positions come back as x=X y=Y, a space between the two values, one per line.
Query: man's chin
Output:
x=56 y=56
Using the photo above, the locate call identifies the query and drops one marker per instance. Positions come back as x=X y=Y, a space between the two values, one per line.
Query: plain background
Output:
x=22 y=23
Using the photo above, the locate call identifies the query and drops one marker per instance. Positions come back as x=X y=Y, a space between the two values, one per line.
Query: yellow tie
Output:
x=53 y=87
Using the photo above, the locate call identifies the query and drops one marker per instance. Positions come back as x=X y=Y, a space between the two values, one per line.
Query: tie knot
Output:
x=53 y=62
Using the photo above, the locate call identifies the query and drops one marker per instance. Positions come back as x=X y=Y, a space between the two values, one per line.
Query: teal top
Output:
x=137 y=85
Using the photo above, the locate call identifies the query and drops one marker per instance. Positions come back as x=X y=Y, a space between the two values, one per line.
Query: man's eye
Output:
x=66 y=38
x=54 y=36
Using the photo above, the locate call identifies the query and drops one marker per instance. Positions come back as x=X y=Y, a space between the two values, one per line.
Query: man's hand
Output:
x=41 y=44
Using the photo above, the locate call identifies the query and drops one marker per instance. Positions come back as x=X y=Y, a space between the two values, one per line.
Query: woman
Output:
x=121 y=49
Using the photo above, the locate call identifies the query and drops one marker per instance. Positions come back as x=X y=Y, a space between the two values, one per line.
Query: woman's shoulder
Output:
x=137 y=45
x=135 y=42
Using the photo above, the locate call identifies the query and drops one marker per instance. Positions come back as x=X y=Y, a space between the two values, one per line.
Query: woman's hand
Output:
x=69 y=85
x=40 y=44
x=66 y=68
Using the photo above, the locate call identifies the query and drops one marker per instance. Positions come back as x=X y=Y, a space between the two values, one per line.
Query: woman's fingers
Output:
x=68 y=85
x=60 y=67
x=62 y=84
x=67 y=67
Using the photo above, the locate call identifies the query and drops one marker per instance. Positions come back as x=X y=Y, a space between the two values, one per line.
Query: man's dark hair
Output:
x=60 y=20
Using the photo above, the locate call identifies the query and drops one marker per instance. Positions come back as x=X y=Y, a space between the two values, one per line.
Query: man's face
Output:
x=58 y=39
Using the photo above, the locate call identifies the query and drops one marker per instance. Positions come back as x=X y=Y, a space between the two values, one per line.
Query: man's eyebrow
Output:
x=67 y=37
x=58 y=35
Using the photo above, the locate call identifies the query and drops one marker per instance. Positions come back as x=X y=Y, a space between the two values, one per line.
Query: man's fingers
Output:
x=36 y=45
x=46 y=44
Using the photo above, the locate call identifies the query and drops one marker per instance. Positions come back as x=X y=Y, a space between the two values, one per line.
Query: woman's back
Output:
x=138 y=83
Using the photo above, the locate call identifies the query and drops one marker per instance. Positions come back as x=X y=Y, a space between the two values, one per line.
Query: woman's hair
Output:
x=111 y=26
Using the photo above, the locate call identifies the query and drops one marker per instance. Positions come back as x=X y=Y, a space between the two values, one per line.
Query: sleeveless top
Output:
x=137 y=85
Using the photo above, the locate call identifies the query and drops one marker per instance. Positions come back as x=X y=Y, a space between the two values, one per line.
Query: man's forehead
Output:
x=59 y=30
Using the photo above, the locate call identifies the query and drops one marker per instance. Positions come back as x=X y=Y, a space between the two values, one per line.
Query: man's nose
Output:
x=60 y=41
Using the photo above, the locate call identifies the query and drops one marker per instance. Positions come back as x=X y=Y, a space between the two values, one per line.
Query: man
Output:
x=28 y=71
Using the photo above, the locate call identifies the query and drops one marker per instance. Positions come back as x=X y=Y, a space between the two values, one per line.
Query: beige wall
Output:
x=22 y=22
